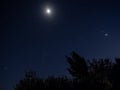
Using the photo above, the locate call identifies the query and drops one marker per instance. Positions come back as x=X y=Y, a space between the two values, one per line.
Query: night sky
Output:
x=32 y=40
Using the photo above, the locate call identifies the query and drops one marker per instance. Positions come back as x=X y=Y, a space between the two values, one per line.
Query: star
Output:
x=106 y=34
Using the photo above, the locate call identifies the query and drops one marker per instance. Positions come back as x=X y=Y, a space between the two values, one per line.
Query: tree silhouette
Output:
x=78 y=66
x=30 y=82
x=94 y=74
x=59 y=83
x=100 y=71
x=116 y=75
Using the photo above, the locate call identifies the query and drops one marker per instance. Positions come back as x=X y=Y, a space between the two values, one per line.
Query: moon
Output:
x=48 y=11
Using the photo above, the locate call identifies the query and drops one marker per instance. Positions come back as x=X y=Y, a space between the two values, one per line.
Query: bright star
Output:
x=106 y=34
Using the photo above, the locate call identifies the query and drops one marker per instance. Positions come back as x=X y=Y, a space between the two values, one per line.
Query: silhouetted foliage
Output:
x=78 y=66
x=93 y=74
x=59 y=83
x=116 y=75
x=30 y=82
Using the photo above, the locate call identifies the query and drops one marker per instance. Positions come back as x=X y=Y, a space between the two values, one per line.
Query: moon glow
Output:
x=48 y=11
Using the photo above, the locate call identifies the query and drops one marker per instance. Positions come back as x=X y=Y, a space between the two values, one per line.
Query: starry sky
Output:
x=29 y=39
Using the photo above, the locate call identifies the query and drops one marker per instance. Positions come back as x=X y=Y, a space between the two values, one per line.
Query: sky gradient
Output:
x=30 y=40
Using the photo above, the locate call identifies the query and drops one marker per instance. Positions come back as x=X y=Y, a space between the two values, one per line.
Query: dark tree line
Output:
x=31 y=82
x=93 y=74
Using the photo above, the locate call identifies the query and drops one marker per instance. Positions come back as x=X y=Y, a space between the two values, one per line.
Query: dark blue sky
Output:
x=29 y=41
